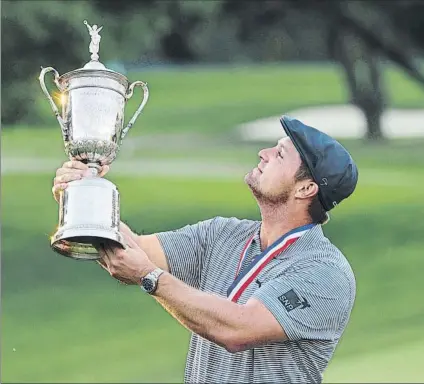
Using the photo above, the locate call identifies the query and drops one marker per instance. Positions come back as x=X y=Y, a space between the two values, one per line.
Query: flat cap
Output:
x=330 y=164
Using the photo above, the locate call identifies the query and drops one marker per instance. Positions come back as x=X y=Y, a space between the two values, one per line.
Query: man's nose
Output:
x=264 y=154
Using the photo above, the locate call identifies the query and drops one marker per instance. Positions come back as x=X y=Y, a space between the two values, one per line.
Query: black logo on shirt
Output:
x=291 y=300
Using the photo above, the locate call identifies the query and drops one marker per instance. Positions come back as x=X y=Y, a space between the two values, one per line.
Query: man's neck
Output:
x=278 y=221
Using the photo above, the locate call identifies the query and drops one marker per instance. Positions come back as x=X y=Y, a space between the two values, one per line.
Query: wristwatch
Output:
x=149 y=283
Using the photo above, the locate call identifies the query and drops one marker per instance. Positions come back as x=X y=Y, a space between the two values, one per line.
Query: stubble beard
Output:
x=262 y=197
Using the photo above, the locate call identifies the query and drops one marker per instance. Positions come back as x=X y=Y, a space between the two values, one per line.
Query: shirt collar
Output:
x=313 y=235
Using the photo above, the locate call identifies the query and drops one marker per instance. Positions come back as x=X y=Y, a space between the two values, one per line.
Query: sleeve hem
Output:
x=285 y=325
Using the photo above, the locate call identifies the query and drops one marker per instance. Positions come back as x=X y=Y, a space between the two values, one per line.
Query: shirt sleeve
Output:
x=310 y=302
x=186 y=249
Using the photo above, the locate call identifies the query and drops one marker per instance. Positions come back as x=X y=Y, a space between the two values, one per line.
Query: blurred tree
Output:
x=362 y=70
x=164 y=30
x=408 y=15
x=35 y=34
x=276 y=30
x=51 y=33
x=359 y=34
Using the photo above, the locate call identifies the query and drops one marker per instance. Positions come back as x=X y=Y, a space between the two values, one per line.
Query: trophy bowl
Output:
x=93 y=102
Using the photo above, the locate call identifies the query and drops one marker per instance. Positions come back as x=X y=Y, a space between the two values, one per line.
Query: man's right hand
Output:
x=76 y=170
x=70 y=171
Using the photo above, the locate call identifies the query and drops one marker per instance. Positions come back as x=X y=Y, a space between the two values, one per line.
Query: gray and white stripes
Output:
x=312 y=276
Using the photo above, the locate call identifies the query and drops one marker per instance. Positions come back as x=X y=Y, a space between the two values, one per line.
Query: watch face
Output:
x=148 y=285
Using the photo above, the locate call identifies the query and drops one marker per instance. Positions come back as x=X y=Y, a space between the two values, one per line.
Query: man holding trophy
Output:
x=266 y=301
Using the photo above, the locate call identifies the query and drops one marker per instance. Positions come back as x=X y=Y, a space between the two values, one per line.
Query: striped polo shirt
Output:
x=309 y=288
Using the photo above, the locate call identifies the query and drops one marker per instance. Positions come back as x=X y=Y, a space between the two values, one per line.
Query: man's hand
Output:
x=126 y=265
x=70 y=171
x=76 y=170
x=233 y=326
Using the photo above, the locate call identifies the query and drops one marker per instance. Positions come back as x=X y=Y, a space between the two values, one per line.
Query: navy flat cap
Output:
x=330 y=164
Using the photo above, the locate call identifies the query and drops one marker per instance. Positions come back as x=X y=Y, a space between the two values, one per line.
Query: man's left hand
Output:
x=128 y=265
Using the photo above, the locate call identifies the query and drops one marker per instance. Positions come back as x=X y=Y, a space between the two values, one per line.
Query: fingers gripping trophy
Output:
x=92 y=123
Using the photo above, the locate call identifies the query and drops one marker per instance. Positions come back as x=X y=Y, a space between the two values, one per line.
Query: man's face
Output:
x=273 y=180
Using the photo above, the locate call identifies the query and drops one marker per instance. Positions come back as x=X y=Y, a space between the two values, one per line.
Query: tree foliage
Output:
x=358 y=35
x=36 y=34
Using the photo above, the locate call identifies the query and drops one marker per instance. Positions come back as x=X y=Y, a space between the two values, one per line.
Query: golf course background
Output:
x=68 y=321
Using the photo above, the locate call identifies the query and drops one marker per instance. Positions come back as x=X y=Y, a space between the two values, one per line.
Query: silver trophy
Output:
x=93 y=100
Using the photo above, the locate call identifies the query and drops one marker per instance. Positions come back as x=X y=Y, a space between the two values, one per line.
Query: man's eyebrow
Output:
x=280 y=146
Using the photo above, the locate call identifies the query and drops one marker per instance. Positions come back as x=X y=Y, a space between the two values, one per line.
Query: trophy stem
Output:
x=94 y=168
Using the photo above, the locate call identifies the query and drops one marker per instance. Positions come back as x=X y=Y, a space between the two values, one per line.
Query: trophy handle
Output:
x=46 y=92
x=140 y=108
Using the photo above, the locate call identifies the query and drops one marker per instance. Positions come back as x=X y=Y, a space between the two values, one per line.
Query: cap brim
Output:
x=287 y=126
x=289 y=132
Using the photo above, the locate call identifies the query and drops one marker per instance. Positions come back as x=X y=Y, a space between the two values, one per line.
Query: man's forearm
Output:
x=235 y=327
x=210 y=316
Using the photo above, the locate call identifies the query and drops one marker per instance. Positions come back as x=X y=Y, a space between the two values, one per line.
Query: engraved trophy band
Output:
x=93 y=100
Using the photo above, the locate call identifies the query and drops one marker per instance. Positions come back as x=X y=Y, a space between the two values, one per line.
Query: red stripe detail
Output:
x=242 y=254
x=262 y=266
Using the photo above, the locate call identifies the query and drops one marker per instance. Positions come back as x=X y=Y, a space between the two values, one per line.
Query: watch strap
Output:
x=155 y=273
x=153 y=277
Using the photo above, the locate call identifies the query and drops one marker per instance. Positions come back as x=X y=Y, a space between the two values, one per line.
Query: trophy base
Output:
x=88 y=217
x=81 y=243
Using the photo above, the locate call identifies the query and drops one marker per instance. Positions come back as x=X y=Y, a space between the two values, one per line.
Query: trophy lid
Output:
x=94 y=68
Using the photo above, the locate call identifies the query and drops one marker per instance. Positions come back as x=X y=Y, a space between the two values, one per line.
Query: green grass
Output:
x=74 y=317
x=400 y=364
x=68 y=321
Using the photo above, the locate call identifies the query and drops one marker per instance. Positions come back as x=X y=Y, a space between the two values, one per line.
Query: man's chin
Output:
x=250 y=180
x=262 y=197
x=253 y=185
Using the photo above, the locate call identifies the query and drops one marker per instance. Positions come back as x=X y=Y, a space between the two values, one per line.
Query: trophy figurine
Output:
x=92 y=123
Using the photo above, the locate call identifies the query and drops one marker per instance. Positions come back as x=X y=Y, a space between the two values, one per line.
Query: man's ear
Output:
x=306 y=189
